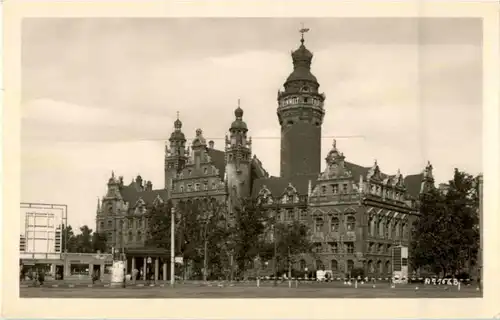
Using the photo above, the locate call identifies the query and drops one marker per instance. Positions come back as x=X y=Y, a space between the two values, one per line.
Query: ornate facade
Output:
x=355 y=213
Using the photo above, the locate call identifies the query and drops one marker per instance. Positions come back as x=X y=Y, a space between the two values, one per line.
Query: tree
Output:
x=69 y=241
x=247 y=231
x=84 y=240
x=99 y=241
x=445 y=237
x=292 y=240
x=159 y=222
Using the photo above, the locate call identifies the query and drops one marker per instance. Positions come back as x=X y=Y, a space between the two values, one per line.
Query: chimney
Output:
x=211 y=144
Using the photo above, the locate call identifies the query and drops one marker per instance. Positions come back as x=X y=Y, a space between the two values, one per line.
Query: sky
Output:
x=102 y=94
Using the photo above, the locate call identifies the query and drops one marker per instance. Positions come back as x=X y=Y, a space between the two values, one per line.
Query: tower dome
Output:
x=239 y=123
x=177 y=134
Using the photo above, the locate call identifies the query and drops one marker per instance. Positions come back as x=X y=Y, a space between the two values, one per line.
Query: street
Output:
x=249 y=290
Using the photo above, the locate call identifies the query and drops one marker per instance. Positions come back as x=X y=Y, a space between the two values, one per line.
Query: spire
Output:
x=98 y=204
x=302 y=31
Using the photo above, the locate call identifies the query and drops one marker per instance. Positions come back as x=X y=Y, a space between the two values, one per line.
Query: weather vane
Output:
x=238 y=103
x=302 y=31
x=177 y=115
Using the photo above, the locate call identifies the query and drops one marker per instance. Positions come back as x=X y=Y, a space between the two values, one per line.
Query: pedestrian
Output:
x=41 y=277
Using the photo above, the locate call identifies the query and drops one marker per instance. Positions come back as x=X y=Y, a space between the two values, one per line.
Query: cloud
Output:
x=45 y=119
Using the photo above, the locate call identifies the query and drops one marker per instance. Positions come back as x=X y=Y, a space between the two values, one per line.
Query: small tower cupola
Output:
x=175 y=153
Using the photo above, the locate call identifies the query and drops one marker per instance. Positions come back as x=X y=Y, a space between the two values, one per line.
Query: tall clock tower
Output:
x=300 y=114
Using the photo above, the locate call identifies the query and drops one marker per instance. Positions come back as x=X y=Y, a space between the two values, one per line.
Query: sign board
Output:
x=320 y=275
x=117 y=271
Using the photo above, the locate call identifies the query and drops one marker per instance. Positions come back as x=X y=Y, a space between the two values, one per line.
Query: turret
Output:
x=238 y=158
x=175 y=154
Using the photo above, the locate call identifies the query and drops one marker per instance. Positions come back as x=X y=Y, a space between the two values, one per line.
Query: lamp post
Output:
x=275 y=252
x=172 y=247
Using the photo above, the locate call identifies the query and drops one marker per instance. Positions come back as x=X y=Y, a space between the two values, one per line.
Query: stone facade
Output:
x=355 y=213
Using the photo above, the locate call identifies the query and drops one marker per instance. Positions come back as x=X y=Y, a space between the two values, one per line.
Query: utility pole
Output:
x=172 y=247
x=205 y=258
x=123 y=258
x=275 y=271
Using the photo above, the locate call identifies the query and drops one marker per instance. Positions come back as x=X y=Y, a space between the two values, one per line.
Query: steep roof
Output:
x=131 y=195
x=277 y=185
x=219 y=160
x=413 y=183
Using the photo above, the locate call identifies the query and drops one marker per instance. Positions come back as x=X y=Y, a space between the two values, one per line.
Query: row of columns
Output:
x=156 y=268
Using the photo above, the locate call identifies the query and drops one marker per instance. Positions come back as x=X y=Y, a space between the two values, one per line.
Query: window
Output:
x=188 y=188
x=351 y=223
x=101 y=225
x=344 y=188
x=371 y=268
x=205 y=170
x=181 y=188
x=350 y=247
x=388 y=266
x=372 y=226
x=110 y=224
x=197 y=187
x=350 y=265
x=379 y=267
x=110 y=236
x=205 y=186
x=189 y=172
x=290 y=214
x=319 y=265
x=302 y=214
x=335 y=224
x=334 y=247
x=305 y=100
x=323 y=189
x=319 y=225
x=130 y=236
x=335 y=188
x=334 y=265
x=380 y=248
x=213 y=185
x=302 y=264
x=139 y=236
x=381 y=228
x=404 y=229
x=121 y=224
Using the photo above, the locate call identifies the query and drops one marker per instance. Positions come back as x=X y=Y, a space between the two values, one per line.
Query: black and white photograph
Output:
x=251 y=158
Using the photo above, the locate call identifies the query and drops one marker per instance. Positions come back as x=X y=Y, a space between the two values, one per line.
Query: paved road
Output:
x=249 y=292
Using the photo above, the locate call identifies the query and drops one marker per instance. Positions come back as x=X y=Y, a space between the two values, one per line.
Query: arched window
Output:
x=350 y=265
x=139 y=236
x=319 y=265
x=380 y=227
x=371 y=268
x=389 y=230
x=372 y=226
x=333 y=247
x=319 y=224
x=334 y=265
x=379 y=267
x=388 y=266
x=130 y=236
x=397 y=229
x=351 y=223
x=404 y=229
x=335 y=224
x=381 y=248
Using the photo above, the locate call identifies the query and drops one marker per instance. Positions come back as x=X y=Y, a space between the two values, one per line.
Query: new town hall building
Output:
x=355 y=213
